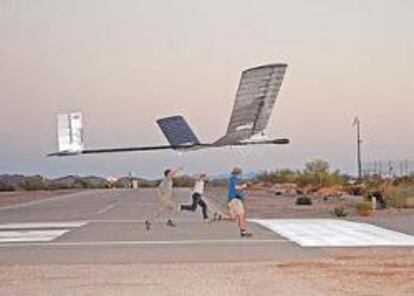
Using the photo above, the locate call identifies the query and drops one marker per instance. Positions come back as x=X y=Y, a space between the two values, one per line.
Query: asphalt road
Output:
x=107 y=227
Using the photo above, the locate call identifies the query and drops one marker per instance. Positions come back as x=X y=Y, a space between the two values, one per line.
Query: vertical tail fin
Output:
x=70 y=133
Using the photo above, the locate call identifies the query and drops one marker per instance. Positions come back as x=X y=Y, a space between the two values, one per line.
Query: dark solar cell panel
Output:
x=177 y=131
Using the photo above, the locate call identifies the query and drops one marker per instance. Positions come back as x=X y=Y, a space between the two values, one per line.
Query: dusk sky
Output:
x=124 y=64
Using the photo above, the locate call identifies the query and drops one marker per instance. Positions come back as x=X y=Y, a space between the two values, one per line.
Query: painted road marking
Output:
x=35 y=232
x=42 y=225
x=335 y=233
x=143 y=220
x=30 y=236
x=105 y=209
x=147 y=243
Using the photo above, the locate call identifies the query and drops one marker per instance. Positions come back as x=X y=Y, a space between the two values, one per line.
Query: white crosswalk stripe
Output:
x=35 y=232
x=335 y=233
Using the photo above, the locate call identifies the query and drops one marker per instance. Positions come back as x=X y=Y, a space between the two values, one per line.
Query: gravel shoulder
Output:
x=365 y=272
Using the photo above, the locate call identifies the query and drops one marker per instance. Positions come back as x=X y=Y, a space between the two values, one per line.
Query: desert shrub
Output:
x=340 y=212
x=363 y=206
x=278 y=176
x=354 y=189
x=303 y=201
x=4 y=186
x=218 y=183
x=34 y=183
x=397 y=196
x=81 y=183
x=143 y=183
x=184 y=181
x=315 y=174
x=407 y=180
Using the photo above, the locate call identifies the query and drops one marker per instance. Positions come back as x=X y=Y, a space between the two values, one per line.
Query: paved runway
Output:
x=106 y=226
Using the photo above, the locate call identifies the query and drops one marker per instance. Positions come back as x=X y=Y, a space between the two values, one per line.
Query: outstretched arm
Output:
x=174 y=172
x=241 y=184
x=241 y=187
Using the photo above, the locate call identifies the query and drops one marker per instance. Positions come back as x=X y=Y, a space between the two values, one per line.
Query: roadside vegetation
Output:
x=30 y=183
x=401 y=196
x=315 y=174
x=315 y=180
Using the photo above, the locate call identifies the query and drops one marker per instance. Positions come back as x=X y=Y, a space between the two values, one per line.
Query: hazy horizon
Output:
x=124 y=64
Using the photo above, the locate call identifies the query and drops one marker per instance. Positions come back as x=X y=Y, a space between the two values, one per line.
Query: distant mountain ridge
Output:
x=16 y=182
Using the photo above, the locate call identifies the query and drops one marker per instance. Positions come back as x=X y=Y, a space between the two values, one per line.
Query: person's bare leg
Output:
x=172 y=208
x=241 y=220
x=227 y=217
x=153 y=216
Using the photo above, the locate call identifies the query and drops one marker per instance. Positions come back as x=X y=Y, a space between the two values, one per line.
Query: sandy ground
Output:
x=262 y=204
x=365 y=272
x=368 y=271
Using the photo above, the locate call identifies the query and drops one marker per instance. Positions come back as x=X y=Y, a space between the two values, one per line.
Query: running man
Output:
x=235 y=199
x=197 y=196
x=166 y=205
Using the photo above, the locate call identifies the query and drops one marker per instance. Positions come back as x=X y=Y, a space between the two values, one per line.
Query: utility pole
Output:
x=357 y=123
x=406 y=168
x=380 y=169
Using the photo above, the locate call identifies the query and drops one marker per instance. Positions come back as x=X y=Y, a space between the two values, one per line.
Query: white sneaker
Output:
x=216 y=217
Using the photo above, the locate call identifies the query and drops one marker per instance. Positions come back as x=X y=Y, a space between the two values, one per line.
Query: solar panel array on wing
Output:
x=254 y=102
x=177 y=131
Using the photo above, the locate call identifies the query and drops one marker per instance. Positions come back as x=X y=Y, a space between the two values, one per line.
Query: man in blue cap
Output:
x=235 y=199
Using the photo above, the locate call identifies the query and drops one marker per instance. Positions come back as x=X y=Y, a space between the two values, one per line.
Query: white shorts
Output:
x=236 y=207
x=168 y=204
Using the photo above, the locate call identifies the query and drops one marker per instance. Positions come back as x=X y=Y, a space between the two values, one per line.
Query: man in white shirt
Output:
x=197 y=196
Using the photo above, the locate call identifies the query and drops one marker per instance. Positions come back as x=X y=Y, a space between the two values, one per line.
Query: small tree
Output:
x=279 y=176
x=34 y=183
x=316 y=173
x=184 y=181
x=4 y=186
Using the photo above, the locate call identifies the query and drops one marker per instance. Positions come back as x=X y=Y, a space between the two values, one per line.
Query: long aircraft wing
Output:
x=165 y=147
x=125 y=149
x=255 y=99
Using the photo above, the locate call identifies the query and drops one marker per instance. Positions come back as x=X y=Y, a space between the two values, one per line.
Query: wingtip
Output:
x=63 y=153
x=281 y=141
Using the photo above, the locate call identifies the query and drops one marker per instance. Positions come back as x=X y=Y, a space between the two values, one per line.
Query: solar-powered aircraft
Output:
x=255 y=99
